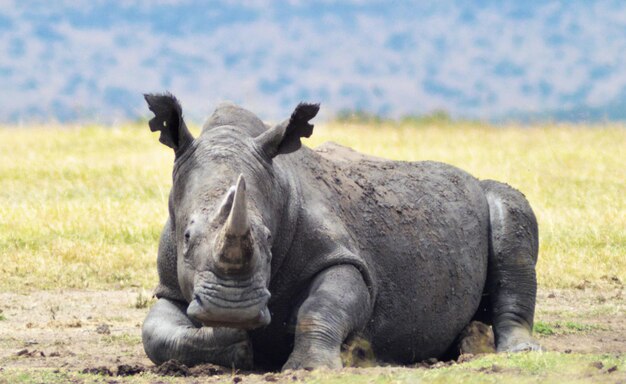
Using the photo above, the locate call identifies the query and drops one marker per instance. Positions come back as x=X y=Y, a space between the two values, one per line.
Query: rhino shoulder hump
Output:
x=339 y=153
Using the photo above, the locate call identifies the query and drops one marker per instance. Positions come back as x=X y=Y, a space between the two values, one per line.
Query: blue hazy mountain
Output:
x=92 y=60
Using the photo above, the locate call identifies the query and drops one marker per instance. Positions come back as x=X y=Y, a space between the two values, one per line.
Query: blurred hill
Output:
x=92 y=60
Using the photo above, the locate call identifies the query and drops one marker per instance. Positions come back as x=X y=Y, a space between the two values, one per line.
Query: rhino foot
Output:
x=314 y=360
x=525 y=346
x=517 y=339
x=239 y=355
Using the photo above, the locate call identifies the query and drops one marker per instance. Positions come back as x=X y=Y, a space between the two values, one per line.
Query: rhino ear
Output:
x=168 y=118
x=285 y=137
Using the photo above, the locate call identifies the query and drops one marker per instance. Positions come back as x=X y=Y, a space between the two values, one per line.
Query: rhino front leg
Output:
x=169 y=334
x=338 y=304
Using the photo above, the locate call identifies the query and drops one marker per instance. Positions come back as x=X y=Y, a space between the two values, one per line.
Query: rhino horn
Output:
x=237 y=223
x=234 y=245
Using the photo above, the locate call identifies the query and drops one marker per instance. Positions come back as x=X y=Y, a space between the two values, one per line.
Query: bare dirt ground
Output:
x=95 y=331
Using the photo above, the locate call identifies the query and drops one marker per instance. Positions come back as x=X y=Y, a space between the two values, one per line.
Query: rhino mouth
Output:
x=228 y=305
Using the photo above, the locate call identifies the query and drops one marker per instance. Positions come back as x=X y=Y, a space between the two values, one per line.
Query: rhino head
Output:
x=226 y=206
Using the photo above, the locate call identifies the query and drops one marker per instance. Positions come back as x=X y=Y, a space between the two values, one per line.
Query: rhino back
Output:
x=421 y=228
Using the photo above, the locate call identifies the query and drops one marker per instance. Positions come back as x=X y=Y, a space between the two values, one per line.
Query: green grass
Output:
x=568 y=327
x=83 y=207
x=549 y=367
x=543 y=329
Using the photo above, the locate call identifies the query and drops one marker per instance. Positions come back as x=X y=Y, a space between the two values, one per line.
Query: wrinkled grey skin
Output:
x=275 y=254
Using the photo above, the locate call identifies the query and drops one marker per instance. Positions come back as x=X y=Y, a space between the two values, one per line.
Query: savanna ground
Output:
x=81 y=209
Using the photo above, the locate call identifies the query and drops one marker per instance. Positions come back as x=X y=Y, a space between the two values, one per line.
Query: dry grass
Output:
x=80 y=207
x=83 y=207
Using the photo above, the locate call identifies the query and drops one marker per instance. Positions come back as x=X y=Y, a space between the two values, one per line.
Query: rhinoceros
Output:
x=275 y=255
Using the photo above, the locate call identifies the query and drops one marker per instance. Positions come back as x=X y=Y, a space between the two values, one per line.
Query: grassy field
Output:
x=82 y=207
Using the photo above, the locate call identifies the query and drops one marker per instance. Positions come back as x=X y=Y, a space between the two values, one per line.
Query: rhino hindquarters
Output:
x=511 y=280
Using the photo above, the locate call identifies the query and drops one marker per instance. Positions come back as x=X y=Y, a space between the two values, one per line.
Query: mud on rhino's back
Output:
x=422 y=227
x=395 y=195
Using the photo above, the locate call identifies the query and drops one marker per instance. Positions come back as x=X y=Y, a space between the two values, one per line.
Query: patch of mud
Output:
x=208 y=372
x=72 y=330
x=585 y=320
x=103 y=371
x=173 y=368
x=177 y=369
x=99 y=332
x=129 y=370
x=27 y=353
